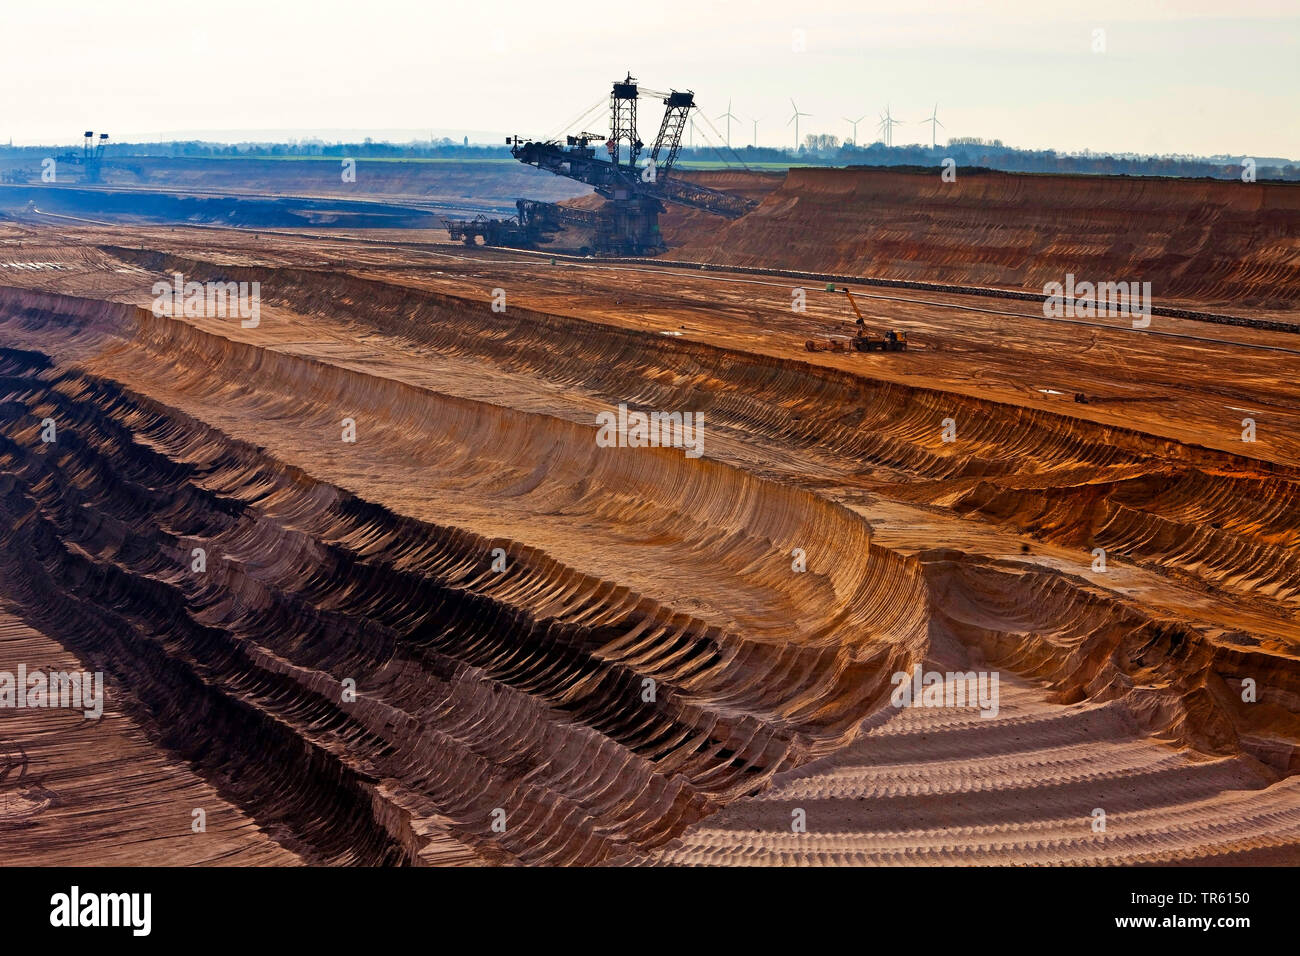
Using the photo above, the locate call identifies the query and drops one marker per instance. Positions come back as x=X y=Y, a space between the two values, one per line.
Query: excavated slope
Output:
x=1223 y=242
x=648 y=657
x=942 y=787
x=681 y=224
x=524 y=690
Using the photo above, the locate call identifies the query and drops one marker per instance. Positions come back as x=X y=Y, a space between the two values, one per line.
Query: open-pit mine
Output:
x=415 y=566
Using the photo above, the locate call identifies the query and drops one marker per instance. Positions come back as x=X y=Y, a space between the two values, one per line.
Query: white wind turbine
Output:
x=887 y=124
x=795 y=119
x=755 y=121
x=854 y=123
x=728 y=116
x=933 y=121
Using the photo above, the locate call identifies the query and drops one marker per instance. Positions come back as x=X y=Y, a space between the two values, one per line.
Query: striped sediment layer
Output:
x=595 y=719
x=607 y=651
x=1216 y=241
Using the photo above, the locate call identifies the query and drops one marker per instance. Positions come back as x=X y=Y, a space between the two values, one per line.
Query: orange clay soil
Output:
x=617 y=648
x=1227 y=245
x=681 y=224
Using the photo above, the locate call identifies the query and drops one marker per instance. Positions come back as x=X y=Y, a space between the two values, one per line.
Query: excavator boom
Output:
x=863 y=341
x=854 y=302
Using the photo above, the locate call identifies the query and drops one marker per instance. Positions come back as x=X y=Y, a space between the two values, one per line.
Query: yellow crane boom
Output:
x=892 y=341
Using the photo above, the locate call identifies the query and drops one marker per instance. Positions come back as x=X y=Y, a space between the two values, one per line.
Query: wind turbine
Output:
x=795 y=119
x=728 y=117
x=933 y=121
x=756 y=119
x=854 y=123
x=887 y=124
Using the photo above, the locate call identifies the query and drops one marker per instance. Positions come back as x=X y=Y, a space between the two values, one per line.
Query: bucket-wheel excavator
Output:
x=90 y=158
x=634 y=189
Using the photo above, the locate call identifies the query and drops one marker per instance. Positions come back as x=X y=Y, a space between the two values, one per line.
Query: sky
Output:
x=1192 y=77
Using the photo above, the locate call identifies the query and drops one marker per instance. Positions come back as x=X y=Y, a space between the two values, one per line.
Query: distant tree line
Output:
x=967 y=152
x=818 y=149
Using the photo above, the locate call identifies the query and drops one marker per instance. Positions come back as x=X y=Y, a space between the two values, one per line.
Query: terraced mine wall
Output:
x=476 y=690
x=1271 y=325
x=523 y=690
x=1221 y=242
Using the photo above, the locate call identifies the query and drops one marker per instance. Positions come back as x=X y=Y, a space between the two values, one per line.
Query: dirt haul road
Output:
x=438 y=622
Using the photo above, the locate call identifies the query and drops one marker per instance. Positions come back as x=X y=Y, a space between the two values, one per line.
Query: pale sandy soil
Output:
x=78 y=791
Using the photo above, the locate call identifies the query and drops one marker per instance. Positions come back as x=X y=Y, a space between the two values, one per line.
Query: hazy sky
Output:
x=1195 y=76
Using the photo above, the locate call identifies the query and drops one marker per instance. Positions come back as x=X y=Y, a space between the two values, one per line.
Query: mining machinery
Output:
x=536 y=223
x=634 y=189
x=91 y=157
x=862 y=341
